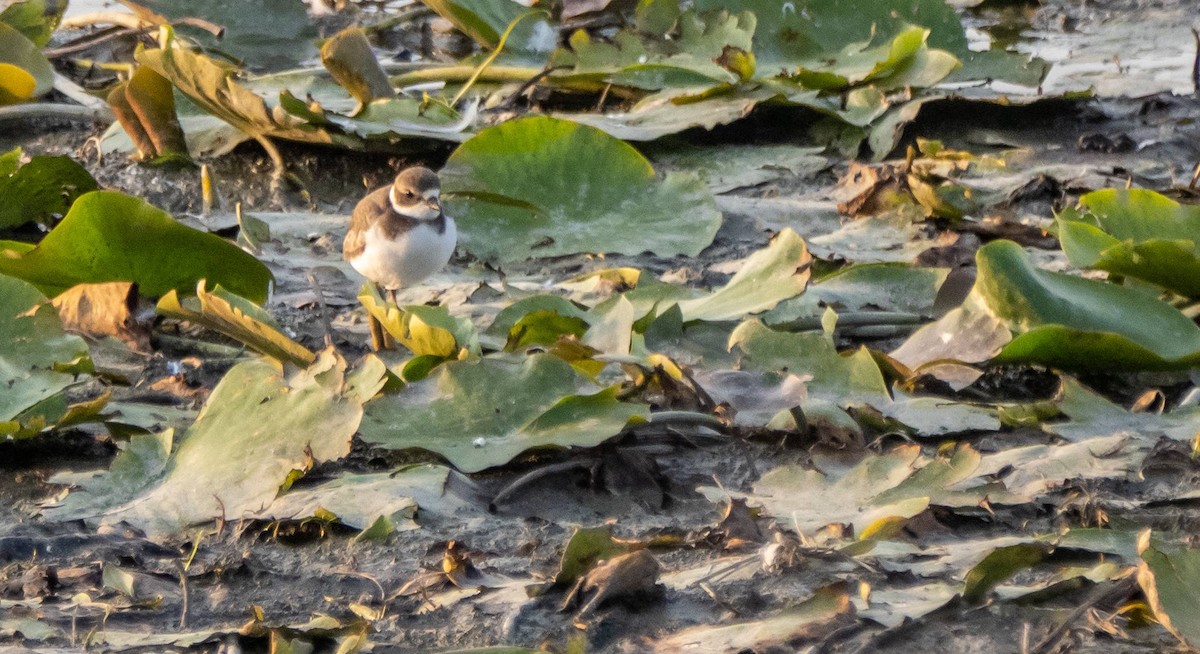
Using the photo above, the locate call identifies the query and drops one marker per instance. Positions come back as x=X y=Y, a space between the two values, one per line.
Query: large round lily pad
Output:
x=547 y=187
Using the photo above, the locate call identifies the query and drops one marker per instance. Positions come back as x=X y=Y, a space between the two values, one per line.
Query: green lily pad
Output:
x=904 y=61
x=283 y=422
x=486 y=20
x=566 y=202
x=483 y=413
x=1074 y=323
x=768 y=277
x=37 y=357
x=31 y=18
x=266 y=34
x=108 y=236
x=793 y=33
x=833 y=376
x=41 y=189
x=688 y=59
x=1135 y=233
x=873 y=286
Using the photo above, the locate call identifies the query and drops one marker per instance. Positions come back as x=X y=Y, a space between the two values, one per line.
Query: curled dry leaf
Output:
x=107 y=309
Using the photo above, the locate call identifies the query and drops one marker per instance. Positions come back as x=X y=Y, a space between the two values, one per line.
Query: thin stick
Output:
x=492 y=57
x=324 y=310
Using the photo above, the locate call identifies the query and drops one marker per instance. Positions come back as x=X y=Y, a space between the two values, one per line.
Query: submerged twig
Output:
x=54 y=110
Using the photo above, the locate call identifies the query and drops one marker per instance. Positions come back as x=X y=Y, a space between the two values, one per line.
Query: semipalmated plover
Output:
x=398 y=234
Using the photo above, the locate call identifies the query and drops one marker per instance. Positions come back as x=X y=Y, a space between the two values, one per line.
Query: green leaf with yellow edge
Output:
x=22 y=54
x=54 y=412
x=1170 y=578
x=608 y=201
x=424 y=330
x=108 y=236
x=16 y=84
x=37 y=360
x=276 y=423
x=482 y=413
x=237 y=318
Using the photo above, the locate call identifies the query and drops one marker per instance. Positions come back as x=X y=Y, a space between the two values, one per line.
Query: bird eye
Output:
x=408 y=194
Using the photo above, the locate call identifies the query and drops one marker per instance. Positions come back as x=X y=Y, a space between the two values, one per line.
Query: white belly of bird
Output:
x=408 y=260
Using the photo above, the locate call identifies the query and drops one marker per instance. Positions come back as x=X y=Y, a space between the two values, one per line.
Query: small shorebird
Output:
x=399 y=236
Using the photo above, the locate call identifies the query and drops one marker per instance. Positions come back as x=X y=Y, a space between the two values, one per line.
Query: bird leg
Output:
x=380 y=338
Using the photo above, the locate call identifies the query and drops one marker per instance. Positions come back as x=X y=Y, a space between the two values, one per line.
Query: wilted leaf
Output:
x=728 y=166
x=483 y=413
x=280 y=425
x=237 y=318
x=145 y=107
x=349 y=59
x=1092 y=415
x=807 y=500
x=586 y=548
x=108 y=236
x=606 y=201
x=807 y=622
x=36 y=355
x=1032 y=471
x=360 y=500
x=214 y=89
x=42 y=189
x=790 y=34
x=902 y=61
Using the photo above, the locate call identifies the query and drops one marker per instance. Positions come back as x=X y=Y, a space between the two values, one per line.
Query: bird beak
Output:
x=434 y=204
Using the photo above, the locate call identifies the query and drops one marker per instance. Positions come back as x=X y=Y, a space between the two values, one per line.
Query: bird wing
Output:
x=365 y=213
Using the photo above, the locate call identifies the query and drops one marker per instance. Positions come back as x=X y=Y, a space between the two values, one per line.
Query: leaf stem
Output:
x=856 y=319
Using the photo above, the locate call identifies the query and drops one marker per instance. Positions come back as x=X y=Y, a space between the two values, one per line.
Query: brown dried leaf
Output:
x=108 y=309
